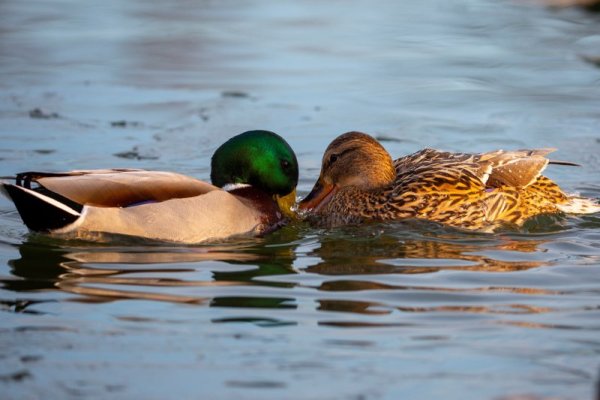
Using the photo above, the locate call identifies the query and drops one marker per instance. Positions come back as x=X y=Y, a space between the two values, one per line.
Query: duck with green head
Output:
x=254 y=177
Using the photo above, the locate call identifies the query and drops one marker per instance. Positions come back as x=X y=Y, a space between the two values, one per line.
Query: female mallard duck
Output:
x=255 y=176
x=359 y=182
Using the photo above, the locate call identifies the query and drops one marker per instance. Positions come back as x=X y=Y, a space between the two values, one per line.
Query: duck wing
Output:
x=115 y=187
x=518 y=169
x=433 y=170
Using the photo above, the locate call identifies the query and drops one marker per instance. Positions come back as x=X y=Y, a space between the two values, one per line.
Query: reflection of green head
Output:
x=262 y=159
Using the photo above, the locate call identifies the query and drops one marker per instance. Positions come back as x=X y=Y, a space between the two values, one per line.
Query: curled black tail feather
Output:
x=24 y=179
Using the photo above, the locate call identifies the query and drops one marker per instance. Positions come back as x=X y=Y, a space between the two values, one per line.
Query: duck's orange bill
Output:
x=318 y=197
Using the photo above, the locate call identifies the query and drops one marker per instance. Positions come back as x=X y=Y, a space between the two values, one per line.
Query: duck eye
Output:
x=285 y=164
x=333 y=158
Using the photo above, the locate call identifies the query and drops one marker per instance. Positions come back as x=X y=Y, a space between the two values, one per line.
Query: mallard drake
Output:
x=254 y=177
x=360 y=182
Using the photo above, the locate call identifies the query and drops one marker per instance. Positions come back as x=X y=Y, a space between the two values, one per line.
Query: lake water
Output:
x=382 y=311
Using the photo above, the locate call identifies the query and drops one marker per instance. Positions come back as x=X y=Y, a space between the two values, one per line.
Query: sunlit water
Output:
x=382 y=311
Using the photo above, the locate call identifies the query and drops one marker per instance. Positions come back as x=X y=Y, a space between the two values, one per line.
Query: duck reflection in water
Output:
x=99 y=273
x=352 y=260
x=385 y=252
x=373 y=257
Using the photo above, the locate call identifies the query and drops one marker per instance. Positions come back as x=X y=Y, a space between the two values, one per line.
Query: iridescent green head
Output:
x=262 y=159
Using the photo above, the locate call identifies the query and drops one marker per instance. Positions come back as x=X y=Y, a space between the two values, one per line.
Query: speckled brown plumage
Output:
x=472 y=191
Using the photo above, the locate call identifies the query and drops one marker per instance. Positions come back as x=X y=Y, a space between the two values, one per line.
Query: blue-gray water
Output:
x=383 y=311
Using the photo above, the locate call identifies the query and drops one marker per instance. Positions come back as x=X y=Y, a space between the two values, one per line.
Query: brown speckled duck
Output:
x=360 y=182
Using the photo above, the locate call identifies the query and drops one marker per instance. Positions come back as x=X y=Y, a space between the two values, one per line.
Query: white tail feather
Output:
x=579 y=205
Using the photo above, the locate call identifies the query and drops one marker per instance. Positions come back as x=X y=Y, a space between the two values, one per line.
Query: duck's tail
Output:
x=579 y=205
x=42 y=211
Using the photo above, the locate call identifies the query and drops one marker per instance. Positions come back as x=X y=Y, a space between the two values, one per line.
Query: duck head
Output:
x=353 y=159
x=261 y=159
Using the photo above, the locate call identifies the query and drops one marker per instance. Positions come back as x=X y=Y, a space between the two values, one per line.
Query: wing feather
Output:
x=432 y=170
x=518 y=173
x=119 y=188
x=518 y=169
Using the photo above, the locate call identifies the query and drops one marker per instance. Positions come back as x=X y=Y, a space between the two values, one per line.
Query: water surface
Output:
x=381 y=311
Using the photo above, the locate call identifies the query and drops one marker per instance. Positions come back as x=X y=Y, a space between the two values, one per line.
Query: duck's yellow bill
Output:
x=286 y=203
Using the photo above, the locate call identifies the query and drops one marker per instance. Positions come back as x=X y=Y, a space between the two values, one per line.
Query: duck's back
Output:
x=476 y=190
